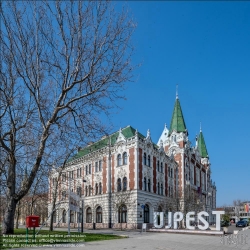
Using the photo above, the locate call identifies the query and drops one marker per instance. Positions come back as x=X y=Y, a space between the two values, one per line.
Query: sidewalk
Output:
x=163 y=241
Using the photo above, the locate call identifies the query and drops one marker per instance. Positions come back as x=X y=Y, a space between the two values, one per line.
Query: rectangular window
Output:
x=96 y=166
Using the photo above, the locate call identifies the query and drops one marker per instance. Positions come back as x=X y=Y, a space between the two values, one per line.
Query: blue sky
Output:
x=204 y=47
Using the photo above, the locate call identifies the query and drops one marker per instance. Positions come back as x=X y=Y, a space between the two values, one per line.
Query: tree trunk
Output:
x=17 y=215
x=9 y=216
x=51 y=223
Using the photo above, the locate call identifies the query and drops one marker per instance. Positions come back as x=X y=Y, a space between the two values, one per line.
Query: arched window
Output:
x=124 y=156
x=100 y=188
x=99 y=215
x=96 y=188
x=145 y=184
x=64 y=216
x=122 y=214
x=145 y=159
x=149 y=185
x=161 y=189
x=89 y=190
x=158 y=188
x=89 y=168
x=124 y=183
x=72 y=215
x=119 y=160
x=146 y=214
x=158 y=166
x=161 y=167
x=88 y=215
x=119 y=185
x=149 y=160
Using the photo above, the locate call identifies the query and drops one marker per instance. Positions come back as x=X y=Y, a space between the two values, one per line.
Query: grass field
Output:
x=47 y=238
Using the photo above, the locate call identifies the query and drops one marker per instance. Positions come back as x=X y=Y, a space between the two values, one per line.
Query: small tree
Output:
x=186 y=201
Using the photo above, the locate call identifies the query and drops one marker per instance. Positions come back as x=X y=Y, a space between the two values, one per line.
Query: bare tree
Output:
x=189 y=200
x=63 y=63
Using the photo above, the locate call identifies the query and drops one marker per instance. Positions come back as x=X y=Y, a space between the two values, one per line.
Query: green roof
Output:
x=202 y=146
x=127 y=132
x=177 y=122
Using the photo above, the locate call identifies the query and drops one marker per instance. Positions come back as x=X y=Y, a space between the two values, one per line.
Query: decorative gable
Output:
x=120 y=137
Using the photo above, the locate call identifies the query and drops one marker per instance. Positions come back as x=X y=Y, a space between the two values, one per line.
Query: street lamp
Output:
x=82 y=208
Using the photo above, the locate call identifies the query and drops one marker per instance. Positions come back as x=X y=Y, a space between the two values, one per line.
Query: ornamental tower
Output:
x=174 y=142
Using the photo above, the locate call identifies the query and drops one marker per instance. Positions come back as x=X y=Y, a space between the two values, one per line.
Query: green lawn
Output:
x=45 y=238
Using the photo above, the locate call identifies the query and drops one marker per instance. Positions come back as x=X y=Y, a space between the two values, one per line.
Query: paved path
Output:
x=162 y=241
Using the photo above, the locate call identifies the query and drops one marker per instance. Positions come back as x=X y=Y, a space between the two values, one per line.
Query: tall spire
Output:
x=177 y=122
x=202 y=145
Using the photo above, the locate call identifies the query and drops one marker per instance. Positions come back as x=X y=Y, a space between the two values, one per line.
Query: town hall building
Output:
x=122 y=179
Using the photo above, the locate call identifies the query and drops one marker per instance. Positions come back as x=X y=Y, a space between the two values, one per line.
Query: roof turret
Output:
x=202 y=145
x=177 y=122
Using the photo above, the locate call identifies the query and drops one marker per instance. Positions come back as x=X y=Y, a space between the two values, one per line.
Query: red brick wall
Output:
x=154 y=174
x=131 y=168
x=104 y=174
x=178 y=158
x=140 y=169
x=181 y=144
